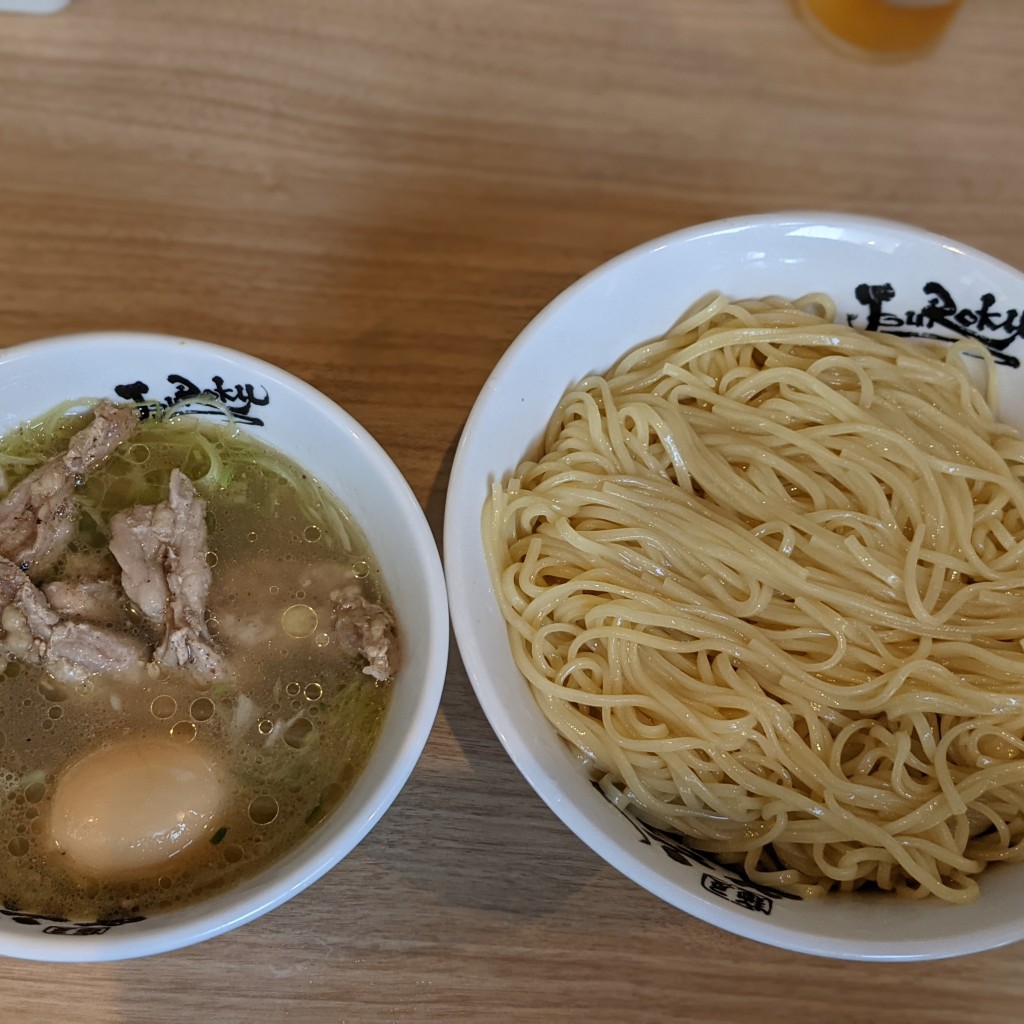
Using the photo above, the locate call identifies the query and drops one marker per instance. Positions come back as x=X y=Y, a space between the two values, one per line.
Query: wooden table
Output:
x=377 y=195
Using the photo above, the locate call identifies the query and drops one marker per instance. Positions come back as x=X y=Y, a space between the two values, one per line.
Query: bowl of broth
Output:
x=733 y=548
x=223 y=634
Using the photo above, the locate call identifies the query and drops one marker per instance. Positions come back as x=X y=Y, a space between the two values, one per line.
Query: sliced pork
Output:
x=38 y=517
x=262 y=589
x=362 y=627
x=98 y=601
x=33 y=632
x=161 y=550
x=78 y=649
x=333 y=603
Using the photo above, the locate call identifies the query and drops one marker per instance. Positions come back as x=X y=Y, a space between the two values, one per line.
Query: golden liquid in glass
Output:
x=880 y=29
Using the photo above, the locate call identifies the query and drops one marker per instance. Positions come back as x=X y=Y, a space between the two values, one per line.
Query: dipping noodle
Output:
x=766 y=577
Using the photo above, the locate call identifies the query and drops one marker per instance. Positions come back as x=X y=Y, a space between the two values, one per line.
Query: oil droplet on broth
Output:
x=55 y=712
x=263 y=810
x=52 y=691
x=233 y=853
x=265 y=727
x=183 y=731
x=298 y=732
x=360 y=570
x=313 y=691
x=329 y=796
x=35 y=792
x=321 y=640
x=299 y=621
x=18 y=846
x=311 y=534
x=138 y=453
x=201 y=709
x=163 y=706
x=292 y=689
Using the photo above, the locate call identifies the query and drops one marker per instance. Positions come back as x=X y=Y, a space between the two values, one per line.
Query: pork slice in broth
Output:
x=161 y=550
x=27 y=618
x=96 y=601
x=140 y=538
x=39 y=516
x=332 y=599
x=262 y=590
x=363 y=627
x=79 y=649
x=32 y=631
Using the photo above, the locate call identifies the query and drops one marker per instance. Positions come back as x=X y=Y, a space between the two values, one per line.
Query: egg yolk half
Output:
x=129 y=809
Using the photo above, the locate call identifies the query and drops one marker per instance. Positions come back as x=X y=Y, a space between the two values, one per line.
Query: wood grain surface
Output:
x=378 y=195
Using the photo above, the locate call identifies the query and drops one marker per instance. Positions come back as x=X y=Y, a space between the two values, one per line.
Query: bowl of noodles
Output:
x=734 y=545
x=223 y=636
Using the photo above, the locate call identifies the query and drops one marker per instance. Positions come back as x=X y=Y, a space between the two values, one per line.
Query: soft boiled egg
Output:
x=131 y=808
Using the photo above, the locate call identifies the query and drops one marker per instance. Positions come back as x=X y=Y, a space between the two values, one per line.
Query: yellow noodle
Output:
x=766 y=576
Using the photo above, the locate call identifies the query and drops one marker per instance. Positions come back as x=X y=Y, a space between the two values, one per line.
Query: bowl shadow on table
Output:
x=498 y=849
x=494 y=281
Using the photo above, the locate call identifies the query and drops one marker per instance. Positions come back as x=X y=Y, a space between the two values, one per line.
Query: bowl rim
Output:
x=549 y=788
x=238 y=905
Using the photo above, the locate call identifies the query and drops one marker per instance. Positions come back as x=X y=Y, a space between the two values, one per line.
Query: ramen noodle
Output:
x=765 y=577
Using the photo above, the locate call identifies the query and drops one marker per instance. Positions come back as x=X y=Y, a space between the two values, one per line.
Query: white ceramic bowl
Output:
x=881 y=274
x=299 y=421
